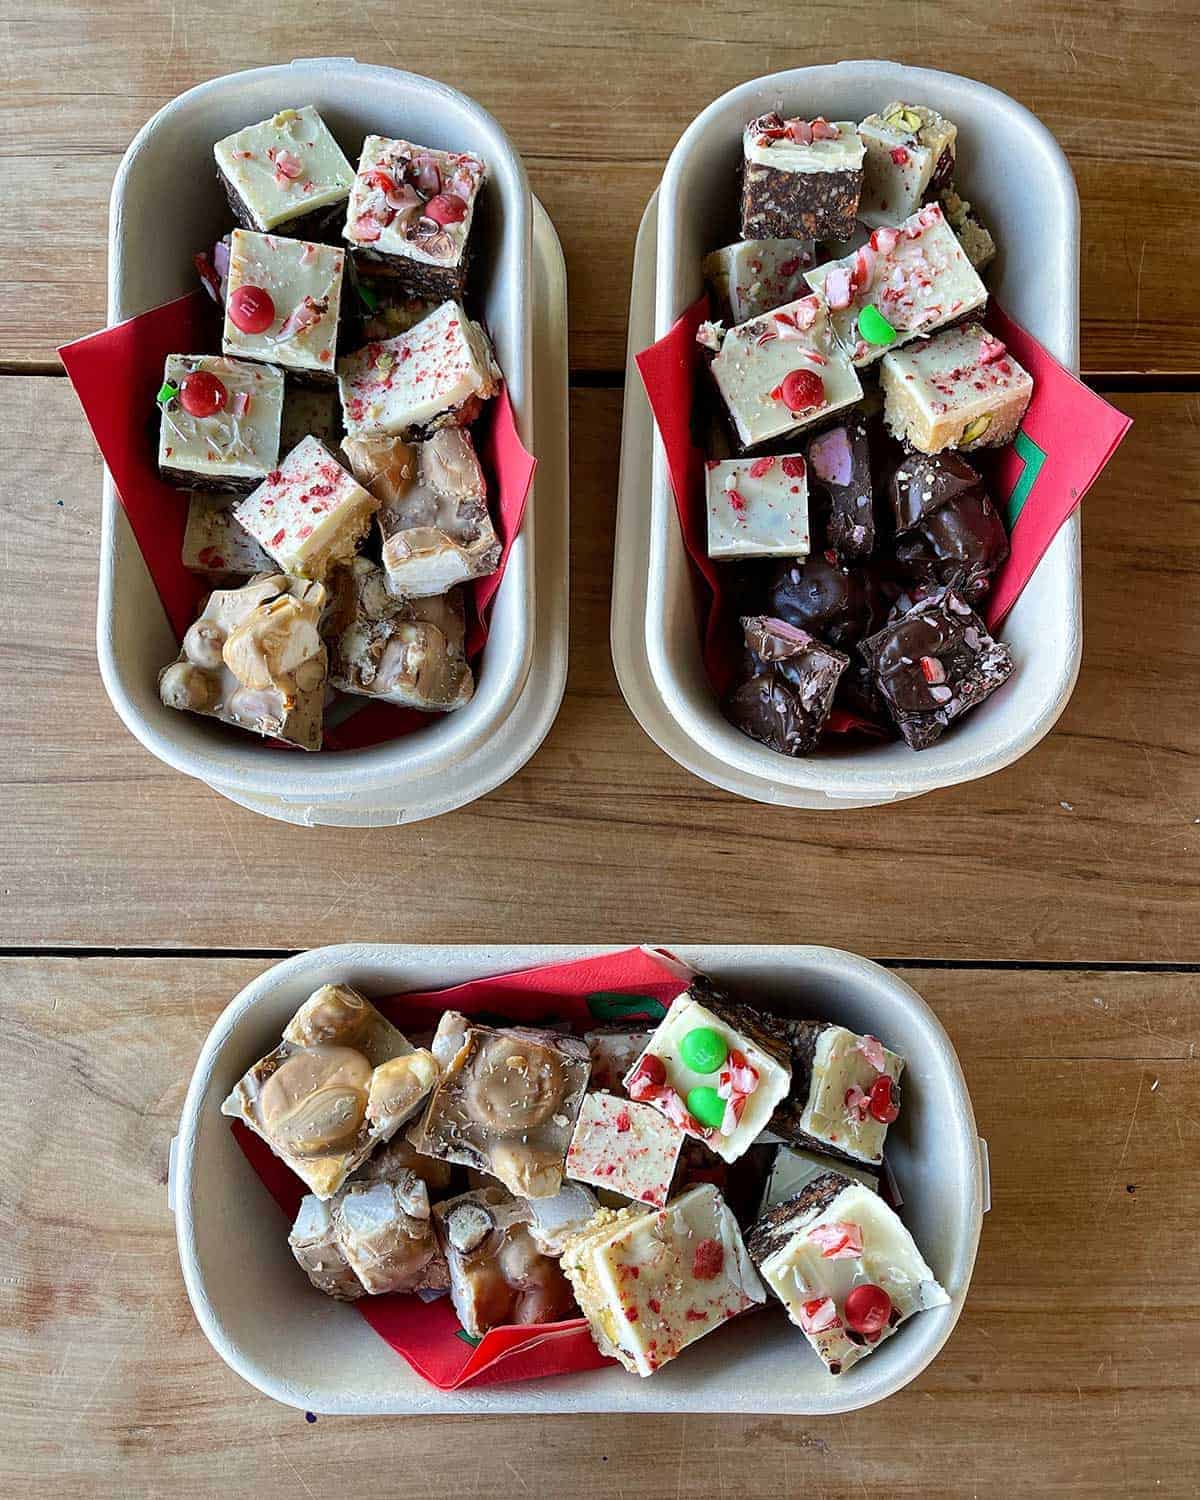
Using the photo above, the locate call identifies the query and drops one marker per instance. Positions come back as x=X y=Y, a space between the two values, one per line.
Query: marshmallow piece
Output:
x=652 y=1281
x=754 y=277
x=758 y=507
x=813 y=1250
x=283 y=169
x=625 y=1147
x=960 y=390
x=387 y=1237
x=905 y=146
x=238 y=445
x=304 y=283
x=314 y=1243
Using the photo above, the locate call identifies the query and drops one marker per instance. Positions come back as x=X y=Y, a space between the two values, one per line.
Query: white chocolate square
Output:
x=962 y=389
x=803 y=1271
x=771 y=1087
x=310 y=513
x=843 y=1061
x=394 y=181
x=916 y=275
x=625 y=1147
x=900 y=160
x=285 y=167
x=758 y=507
x=652 y=1281
x=237 y=443
x=432 y=376
x=755 y=359
x=793 y=1169
x=756 y=276
x=215 y=544
x=304 y=282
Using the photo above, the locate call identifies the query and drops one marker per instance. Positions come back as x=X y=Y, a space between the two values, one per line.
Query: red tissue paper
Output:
x=634 y=984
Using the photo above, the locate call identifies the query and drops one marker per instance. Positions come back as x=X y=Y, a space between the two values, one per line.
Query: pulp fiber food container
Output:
x=1011 y=167
x=154 y=229
x=269 y=1325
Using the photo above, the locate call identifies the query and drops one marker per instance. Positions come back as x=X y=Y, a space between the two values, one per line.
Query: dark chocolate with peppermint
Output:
x=786 y=700
x=801 y=179
x=839 y=467
x=839 y=605
x=934 y=664
x=950 y=532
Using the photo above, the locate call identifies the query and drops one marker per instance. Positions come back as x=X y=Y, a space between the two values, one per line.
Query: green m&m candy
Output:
x=703 y=1049
x=706 y=1105
x=874 y=327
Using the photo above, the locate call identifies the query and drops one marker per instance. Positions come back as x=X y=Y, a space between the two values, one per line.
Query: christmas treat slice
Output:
x=756 y=276
x=506 y=1103
x=842 y=494
x=310 y=513
x=614 y=1049
x=800 y=178
x=286 y=173
x=909 y=154
x=254 y=659
x=219 y=422
x=498 y=1275
x=433 y=520
x=845 y=1090
x=793 y=1169
x=713 y=1069
x=948 y=530
x=844 y=1266
x=215 y=545
x=787 y=698
x=905 y=281
x=780 y=372
x=411 y=653
x=626 y=1147
x=934 y=664
x=652 y=1281
x=283 y=301
x=437 y=374
x=758 y=507
x=973 y=234
x=411 y=211
x=962 y=389
x=341 y=1081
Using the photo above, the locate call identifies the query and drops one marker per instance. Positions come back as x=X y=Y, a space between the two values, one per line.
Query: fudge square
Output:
x=904 y=281
x=756 y=276
x=962 y=389
x=286 y=173
x=712 y=1069
x=410 y=214
x=844 y=1266
x=758 y=507
x=310 y=513
x=283 y=301
x=626 y=1147
x=219 y=422
x=845 y=1091
x=215 y=544
x=800 y=178
x=652 y=1281
x=934 y=664
x=781 y=372
x=437 y=374
x=909 y=154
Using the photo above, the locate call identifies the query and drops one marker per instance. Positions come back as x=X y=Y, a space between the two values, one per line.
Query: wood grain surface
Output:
x=594 y=96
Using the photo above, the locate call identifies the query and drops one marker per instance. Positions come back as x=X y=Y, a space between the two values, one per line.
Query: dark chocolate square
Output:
x=786 y=700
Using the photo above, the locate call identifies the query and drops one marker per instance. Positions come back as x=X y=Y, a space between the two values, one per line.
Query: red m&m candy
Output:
x=799 y=390
x=867 y=1310
x=251 y=309
x=202 y=394
x=883 y=1102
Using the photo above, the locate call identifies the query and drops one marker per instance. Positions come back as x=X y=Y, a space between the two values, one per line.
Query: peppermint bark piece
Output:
x=219 y=422
x=756 y=276
x=626 y=1147
x=282 y=303
x=907 y=280
x=962 y=389
x=909 y=153
x=216 y=545
x=286 y=174
x=787 y=698
x=844 y=1266
x=801 y=179
x=845 y=1090
x=758 y=507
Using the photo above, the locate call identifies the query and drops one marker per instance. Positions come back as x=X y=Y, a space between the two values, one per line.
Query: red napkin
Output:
x=1037 y=482
x=116 y=374
x=635 y=984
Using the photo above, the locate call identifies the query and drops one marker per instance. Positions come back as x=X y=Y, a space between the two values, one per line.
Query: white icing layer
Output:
x=285 y=166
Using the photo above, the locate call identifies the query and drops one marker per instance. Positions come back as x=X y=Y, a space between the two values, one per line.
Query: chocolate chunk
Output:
x=787 y=699
x=924 y=482
x=962 y=544
x=816 y=594
x=839 y=474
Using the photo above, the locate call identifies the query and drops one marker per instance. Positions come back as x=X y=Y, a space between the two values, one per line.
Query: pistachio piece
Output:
x=976 y=429
x=184 y=685
x=911 y=120
x=467 y=1226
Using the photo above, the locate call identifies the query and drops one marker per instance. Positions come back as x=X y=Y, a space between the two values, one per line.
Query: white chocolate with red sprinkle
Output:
x=304 y=283
x=238 y=442
x=435 y=375
x=813 y=1250
x=215 y=544
x=309 y=514
x=916 y=276
x=626 y=1147
x=286 y=166
x=756 y=276
x=903 y=145
x=783 y=371
x=962 y=389
x=652 y=1281
x=839 y=1110
x=758 y=507
x=414 y=202
x=614 y=1050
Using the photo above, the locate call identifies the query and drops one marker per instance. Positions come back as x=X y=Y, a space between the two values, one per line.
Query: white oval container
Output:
x=154 y=228
x=269 y=1325
x=1014 y=169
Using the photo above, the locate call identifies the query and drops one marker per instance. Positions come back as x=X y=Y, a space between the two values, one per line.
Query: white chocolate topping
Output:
x=285 y=166
x=758 y=507
x=304 y=282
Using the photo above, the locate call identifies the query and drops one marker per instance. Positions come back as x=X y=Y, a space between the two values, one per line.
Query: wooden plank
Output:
x=1114 y=86
x=1084 y=850
x=1071 y=1372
